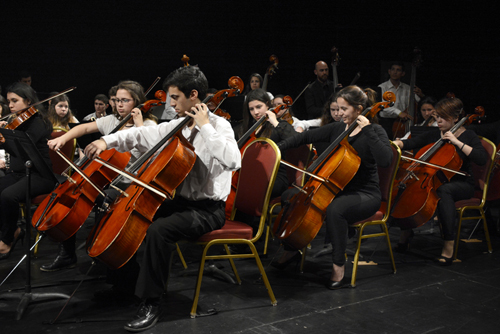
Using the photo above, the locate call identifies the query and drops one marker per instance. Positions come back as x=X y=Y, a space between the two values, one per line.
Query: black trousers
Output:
x=175 y=220
x=345 y=209
x=12 y=192
x=449 y=193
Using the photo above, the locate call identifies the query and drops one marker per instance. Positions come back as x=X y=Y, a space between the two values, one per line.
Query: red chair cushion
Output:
x=377 y=216
x=468 y=202
x=231 y=230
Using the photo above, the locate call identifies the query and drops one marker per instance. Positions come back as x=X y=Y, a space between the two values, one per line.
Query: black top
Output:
x=39 y=132
x=371 y=144
x=316 y=96
x=478 y=154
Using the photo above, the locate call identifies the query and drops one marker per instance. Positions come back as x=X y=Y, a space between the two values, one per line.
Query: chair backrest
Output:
x=386 y=178
x=58 y=163
x=494 y=183
x=300 y=157
x=481 y=174
x=259 y=166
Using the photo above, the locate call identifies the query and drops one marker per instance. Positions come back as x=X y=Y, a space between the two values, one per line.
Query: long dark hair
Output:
x=256 y=95
x=55 y=119
x=29 y=96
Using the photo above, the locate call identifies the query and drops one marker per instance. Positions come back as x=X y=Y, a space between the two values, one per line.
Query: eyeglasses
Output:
x=124 y=101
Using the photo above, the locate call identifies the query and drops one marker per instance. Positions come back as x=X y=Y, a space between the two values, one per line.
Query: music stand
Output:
x=20 y=145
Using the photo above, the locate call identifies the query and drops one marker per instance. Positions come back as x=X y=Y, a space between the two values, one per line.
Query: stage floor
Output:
x=421 y=297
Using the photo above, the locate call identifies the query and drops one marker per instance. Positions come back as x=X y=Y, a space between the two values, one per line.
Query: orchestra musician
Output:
x=199 y=202
x=257 y=105
x=129 y=94
x=470 y=149
x=361 y=198
x=13 y=185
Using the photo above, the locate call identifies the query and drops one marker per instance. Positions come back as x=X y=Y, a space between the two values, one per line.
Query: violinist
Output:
x=199 y=202
x=129 y=95
x=278 y=99
x=470 y=149
x=402 y=90
x=257 y=105
x=361 y=198
x=13 y=185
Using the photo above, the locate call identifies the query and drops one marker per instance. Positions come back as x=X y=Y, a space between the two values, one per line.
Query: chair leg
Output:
x=457 y=238
x=356 y=259
x=233 y=266
x=35 y=251
x=198 y=282
x=180 y=256
x=486 y=233
x=274 y=302
x=267 y=239
x=386 y=231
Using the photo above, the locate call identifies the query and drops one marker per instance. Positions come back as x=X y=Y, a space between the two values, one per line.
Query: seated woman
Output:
x=128 y=96
x=13 y=185
x=361 y=198
x=256 y=106
x=470 y=149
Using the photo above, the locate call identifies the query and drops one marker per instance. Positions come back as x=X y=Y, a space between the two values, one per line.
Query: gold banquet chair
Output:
x=259 y=166
x=386 y=181
x=481 y=179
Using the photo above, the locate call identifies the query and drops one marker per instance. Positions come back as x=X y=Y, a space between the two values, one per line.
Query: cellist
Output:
x=361 y=198
x=129 y=94
x=469 y=148
x=198 y=205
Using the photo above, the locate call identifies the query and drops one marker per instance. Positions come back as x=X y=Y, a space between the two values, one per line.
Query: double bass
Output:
x=118 y=235
x=270 y=71
x=401 y=127
x=299 y=221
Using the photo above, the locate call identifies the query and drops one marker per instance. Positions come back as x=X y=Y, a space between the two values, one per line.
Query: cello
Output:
x=118 y=235
x=64 y=212
x=416 y=199
x=299 y=221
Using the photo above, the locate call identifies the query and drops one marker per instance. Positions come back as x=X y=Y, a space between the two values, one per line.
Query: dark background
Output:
x=95 y=44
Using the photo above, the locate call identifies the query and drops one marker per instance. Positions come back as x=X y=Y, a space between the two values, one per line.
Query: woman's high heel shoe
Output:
x=282 y=265
x=14 y=243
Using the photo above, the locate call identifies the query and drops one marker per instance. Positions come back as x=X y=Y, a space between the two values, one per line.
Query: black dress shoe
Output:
x=146 y=317
x=332 y=285
x=63 y=260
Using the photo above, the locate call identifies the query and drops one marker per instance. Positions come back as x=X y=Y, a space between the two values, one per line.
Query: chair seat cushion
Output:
x=377 y=216
x=468 y=202
x=231 y=230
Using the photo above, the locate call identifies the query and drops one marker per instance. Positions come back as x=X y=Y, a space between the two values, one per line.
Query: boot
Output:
x=66 y=258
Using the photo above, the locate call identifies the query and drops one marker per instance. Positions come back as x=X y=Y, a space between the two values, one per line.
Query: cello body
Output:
x=298 y=223
x=417 y=203
x=116 y=238
x=61 y=214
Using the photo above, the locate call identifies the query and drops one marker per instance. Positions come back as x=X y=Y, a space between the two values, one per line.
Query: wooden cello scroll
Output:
x=185 y=60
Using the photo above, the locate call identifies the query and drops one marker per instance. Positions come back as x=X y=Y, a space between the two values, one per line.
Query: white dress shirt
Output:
x=402 y=98
x=216 y=149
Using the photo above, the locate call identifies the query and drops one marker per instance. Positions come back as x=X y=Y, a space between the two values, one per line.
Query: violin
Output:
x=299 y=221
x=270 y=70
x=159 y=172
x=17 y=118
x=416 y=199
